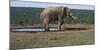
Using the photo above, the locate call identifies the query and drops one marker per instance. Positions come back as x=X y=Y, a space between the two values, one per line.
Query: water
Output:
x=34 y=30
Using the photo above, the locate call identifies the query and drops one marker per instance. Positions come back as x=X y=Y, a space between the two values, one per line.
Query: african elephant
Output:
x=54 y=13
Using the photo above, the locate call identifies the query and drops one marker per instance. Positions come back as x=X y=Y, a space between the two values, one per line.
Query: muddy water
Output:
x=37 y=29
x=33 y=30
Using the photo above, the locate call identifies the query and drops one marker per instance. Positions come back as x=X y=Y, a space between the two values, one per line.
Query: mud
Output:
x=77 y=29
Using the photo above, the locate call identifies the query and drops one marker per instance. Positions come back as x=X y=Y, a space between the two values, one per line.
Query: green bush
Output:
x=29 y=16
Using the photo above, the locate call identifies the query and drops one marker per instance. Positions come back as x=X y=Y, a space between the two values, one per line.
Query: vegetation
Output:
x=27 y=40
x=29 y=16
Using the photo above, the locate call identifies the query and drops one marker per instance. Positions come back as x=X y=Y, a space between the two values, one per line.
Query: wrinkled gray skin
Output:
x=53 y=14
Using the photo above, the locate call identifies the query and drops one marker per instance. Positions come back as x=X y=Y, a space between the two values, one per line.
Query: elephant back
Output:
x=52 y=13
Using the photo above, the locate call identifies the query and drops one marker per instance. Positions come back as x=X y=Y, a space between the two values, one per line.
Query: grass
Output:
x=71 y=38
x=22 y=40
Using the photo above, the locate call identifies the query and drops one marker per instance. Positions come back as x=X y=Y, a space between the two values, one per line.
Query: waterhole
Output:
x=42 y=29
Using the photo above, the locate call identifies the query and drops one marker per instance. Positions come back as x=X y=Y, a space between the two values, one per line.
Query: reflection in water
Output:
x=53 y=29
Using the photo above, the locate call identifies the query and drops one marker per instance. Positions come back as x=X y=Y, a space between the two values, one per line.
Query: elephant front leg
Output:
x=60 y=25
x=60 y=22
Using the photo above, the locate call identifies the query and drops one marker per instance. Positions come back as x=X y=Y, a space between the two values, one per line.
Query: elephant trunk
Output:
x=75 y=18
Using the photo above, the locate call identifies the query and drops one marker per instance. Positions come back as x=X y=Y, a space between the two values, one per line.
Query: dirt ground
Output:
x=22 y=40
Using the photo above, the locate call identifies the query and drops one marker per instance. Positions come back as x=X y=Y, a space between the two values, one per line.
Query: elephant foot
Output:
x=47 y=30
x=59 y=29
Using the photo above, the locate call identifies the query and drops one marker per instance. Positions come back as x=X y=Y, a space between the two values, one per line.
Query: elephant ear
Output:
x=68 y=9
x=65 y=10
x=62 y=10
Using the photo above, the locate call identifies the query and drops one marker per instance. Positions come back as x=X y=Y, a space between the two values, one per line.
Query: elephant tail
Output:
x=41 y=18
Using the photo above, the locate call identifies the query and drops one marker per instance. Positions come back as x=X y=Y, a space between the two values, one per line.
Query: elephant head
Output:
x=69 y=13
x=55 y=13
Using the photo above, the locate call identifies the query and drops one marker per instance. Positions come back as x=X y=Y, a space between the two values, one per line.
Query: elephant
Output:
x=55 y=14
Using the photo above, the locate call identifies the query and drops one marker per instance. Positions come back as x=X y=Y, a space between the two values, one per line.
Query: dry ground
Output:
x=22 y=40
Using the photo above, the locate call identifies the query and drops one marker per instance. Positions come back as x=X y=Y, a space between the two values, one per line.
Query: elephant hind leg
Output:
x=46 y=25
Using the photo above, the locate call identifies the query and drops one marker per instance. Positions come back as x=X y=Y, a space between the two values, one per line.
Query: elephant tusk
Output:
x=74 y=17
